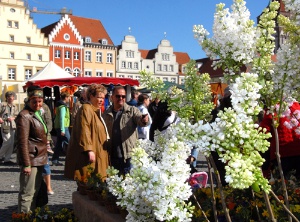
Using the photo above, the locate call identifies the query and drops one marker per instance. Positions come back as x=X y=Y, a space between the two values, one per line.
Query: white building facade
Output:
x=23 y=48
x=162 y=62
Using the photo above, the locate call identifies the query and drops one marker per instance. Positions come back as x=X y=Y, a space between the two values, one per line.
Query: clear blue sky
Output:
x=148 y=19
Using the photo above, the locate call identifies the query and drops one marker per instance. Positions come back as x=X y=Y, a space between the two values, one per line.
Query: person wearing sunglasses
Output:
x=122 y=121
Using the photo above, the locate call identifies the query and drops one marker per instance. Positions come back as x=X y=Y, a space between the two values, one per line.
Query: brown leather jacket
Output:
x=31 y=139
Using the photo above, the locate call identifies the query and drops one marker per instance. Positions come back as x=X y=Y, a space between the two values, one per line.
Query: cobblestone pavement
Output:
x=63 y=188
x=9 y=188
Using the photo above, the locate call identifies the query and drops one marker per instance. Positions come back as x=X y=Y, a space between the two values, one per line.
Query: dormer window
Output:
x=104 y=41
x=88 y=39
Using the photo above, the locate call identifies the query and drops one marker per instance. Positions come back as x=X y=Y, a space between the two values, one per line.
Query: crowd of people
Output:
x=96 y=132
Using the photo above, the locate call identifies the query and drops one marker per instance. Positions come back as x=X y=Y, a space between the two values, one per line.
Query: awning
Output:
x=80 y=81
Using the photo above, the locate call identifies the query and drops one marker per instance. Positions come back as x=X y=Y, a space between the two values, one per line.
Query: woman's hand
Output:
x=92 y=157
x=27 y=171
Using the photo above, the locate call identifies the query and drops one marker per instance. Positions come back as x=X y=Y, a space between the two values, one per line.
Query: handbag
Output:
x=5 y=129
x=42 y=197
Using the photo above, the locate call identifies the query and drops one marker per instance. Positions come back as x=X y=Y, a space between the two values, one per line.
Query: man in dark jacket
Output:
x=121 y=121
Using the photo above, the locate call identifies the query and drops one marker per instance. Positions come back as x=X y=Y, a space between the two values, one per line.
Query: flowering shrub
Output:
x=155 y=189
x=234 y=37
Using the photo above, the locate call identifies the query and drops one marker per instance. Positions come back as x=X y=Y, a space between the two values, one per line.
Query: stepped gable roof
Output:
x=92 y=28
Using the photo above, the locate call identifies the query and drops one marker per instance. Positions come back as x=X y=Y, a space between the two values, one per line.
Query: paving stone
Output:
x=9 y=189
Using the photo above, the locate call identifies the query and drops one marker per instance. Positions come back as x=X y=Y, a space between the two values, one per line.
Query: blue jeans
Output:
x=61 y=141
x=46 y=170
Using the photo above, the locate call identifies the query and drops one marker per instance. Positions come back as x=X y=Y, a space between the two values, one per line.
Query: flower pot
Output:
x=82 y=189
x=100 y=199
x=112 y=207
x=91 y=194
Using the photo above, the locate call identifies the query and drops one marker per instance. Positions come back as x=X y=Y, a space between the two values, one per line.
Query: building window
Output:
x=159 y=67
x=165 y=57
x=66 y=36
x=182 y=81
x=136 y=65
x=104 y=42
x=88 y=73
x=138 y=77
x=183 y=69
x=165 y=68
x=121 y=76
x=130 y=76
x=76 y=55
x=99 y=73
x=28 y=73
x=16 y=25
x=123 y=66
x=129 y=66
x=67 y=54
x=68 y=70
x=171 y=68
x=109 y=58
x=109 y=74
x=9 y=24
x=40 y=58
x=28 y=56
x=57 y=53
x=173 y=80
x=129 y=54
x=76 y=72
x=165 y=79
x=11 y=38
x=88 y=39
x=12 y=55
x=99 y=57
x=28 y=40
x=11 y=73
x=88 y=56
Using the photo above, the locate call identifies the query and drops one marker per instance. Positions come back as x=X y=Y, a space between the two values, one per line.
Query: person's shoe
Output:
x=9 y=163
x=50 y=192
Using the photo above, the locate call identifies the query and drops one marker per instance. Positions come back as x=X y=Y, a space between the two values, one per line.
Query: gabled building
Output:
x=81 y=46
x=23 y=48
x=163 y=62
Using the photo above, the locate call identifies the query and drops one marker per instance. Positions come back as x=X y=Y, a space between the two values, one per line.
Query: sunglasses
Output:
x=120 y=96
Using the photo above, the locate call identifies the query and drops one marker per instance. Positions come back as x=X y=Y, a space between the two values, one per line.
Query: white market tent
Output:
x=50 y=71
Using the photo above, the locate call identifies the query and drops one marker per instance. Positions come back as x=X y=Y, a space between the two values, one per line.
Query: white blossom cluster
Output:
x=294 y=7
x=234 y=37
x=155 y=189
x=237 y=139
x=286 y=77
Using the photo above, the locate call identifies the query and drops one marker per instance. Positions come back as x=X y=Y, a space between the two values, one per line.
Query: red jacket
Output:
x=289 y=141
